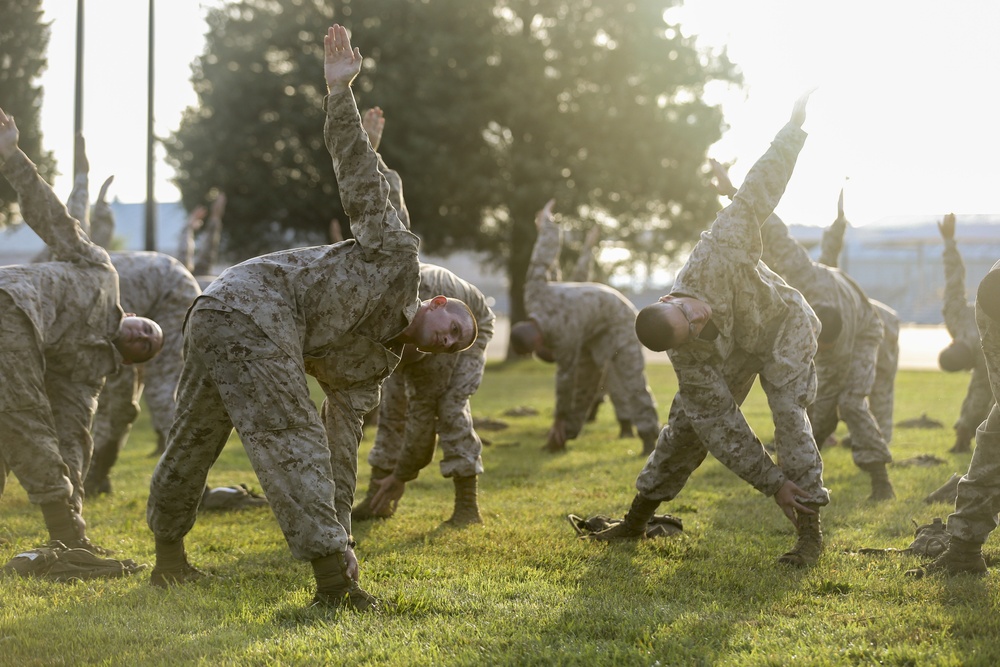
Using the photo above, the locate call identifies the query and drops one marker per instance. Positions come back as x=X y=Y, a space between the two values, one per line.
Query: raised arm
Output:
x=787 y=256
x=957 y=310
x=102 y=228
x=78 y=203
x=581 y=272
x=211 y=238
x=40 y=207
x=833 y=237
x=364 y=191
x=544 y=265
x=373 y=121
x=738 y=224
x=185 y=246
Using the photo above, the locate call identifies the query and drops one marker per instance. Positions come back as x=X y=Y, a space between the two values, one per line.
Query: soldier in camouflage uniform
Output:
x=427 y=399
x=978 y=502
x=965 y=352
x=152 y=285
x=609 y=384
x=728 y=320
x=883 y=393
x=586 y=328
x=340 y=313
x=851 y=335
x=62 y=331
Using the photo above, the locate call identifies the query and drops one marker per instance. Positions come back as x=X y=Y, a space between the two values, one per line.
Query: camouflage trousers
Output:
x=883 y=394
x=45 y=417
x=844 y=387
x=978 y=501
x=679 y=451
x=622 y=372
x=424 y=402
x=117 y=410
x=977 y=403
x=234 y=376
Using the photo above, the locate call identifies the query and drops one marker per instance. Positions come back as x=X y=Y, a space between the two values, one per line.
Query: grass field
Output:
x=521 y=589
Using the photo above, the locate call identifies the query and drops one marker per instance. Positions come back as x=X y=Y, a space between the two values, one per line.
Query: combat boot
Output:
x=947 y=492
x=363 y=510
x=963 y=441
x=633 y=526
x=335 y=588
x=625 y=428
x=809 y=543
x=66 y=525
x=172 y=566
x=881 y=486
x=466 y=502
x=961 y=557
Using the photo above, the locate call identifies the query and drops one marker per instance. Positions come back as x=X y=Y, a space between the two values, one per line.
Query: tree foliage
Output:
x=24 y=38
x=492 y=108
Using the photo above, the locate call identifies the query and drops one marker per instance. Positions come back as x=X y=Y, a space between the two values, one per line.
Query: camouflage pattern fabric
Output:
x=978 y=502
x=156 y=286
x=427 y=400
x=230 y=498
x=846 y=371
x=659 y=525
x=588 y=327
x=960 y=320
x=256 y=332
x=883 y=394
x=57 y=562
x=766 y=330
x=59 y=320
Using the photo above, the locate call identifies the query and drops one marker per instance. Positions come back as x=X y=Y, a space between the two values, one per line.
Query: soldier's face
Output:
x=139 y=339
x=687 y=317
x=444 y=330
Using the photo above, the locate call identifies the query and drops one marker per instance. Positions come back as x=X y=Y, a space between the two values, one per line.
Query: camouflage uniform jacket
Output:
x=435 y=280
x=823 y=285
x=73 y=301
x=336 y=305
x=573 y=316
x=755 y=312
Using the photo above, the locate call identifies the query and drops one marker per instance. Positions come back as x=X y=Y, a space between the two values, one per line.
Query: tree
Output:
x=492 y=108
x=24 y=38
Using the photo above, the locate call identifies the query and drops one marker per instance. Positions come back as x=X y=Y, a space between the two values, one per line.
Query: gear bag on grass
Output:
x=660 y=525
x=930 y=541
x=223 y=498
x=57 y=562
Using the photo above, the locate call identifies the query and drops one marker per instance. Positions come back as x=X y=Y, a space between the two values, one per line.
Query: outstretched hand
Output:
x=593 y=236
x=341 y=63
x=788 y=497
x=103 y=194
x=390 y=491
x=799 y=110
x=8 y=135
x=545 y=214
x=723 y=185
x=840 y=206
x=947 y=227
x=374 y=122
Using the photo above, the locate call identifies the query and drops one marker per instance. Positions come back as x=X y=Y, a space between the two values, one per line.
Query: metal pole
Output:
x=150 y=194
x=78 y=98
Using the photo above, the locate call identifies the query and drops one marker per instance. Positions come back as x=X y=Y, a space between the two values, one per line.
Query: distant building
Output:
x=896 y=260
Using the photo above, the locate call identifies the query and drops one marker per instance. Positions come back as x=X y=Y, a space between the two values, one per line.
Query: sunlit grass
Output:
x=521 y=589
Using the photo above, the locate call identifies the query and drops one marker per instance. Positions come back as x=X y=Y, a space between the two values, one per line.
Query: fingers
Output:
x=104 y=188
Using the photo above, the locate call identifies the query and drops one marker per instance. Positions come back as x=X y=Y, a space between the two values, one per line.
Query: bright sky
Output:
x=906 y=105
